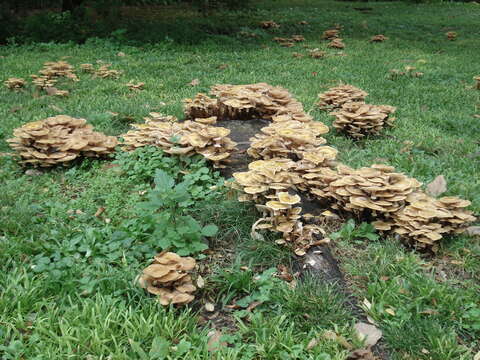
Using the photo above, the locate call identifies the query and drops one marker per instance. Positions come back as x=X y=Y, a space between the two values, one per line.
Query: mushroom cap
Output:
x=276 y=205
x=286 y=198
x=157 y=270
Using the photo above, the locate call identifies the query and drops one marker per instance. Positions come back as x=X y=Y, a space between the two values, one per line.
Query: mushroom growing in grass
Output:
x=168 y=277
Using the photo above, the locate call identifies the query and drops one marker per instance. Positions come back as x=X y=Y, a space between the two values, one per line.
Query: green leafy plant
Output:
x=246 y=286
x=167 y=208
x=351 y=232
x=471 y=317
x=140 y=166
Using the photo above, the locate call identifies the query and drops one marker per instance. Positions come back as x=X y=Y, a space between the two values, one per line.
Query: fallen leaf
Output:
x=384 y=278
x=312 y=343
x=200 y=282
x=120 y=54
x=253 y=305
x=99 y=212
x=361 y=354
x=50 y=90
x=368 y=333
x=456 y=262
x=425 y=351
x=209 y=307
x=214 y=343
x=390 y=311
x=429 y=312
x=367 y=304
x=473 y=231
x=330 y=335
x=194 y=82
x=33 y=172
x=437 y=187
x=222 y=66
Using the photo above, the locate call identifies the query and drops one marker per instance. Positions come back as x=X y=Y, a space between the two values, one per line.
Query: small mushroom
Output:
x=167 y=277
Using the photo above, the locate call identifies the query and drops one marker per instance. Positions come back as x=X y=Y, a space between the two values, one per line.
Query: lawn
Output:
x=67 y=277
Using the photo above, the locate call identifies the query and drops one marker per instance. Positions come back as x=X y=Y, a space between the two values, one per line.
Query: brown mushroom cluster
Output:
x=266 y=177
x=43 y=82
x=477 y=79
x=59 y=140
x=425 y=220
x=337 y=96
x=409 y=71
x=267 y=183
x=451 y=35
x=270 y=24
x=56 y=69
x=182 y=138
x=281 y=215
x=378 y=38
x=88 y=68
x=15 y=83
x=287 y=138
x=168 y=277
x=331 y=34
x=135 y=86
x=336 y=44
x=105 y=72
x=201 y=106
x=243 y=102
x=358 y=119
x=376 y=190
x=317 y=54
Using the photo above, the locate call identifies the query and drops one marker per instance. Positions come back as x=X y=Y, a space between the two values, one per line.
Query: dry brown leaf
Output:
x=200 y=282
x=437 y=187
x=121 y=54
x=194 y=82
x=51 y=90
x=390 y=311
x=99 y=211
x=473 y=231
x=253 y=305
x=331 y=335
x=312 y=343
x=361 y=354
x=367 y=304
x=477 y=356
x=214 y=343
x=371 y=334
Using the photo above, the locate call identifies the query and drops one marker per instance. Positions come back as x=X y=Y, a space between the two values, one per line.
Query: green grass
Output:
x=68 y=281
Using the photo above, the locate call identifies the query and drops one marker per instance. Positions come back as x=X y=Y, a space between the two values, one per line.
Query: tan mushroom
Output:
x=59 y=140
x=337 y=96
x=15 y=83
x=331 y=34
x=477 y=79
x=378 y=38
x=359 y=119
x=425 y=220
x=168 y=278
x=270 y=24
x=181 y=138
x=336 y=44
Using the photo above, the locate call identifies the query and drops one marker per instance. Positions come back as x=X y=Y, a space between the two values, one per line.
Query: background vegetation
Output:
x=67 y=276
